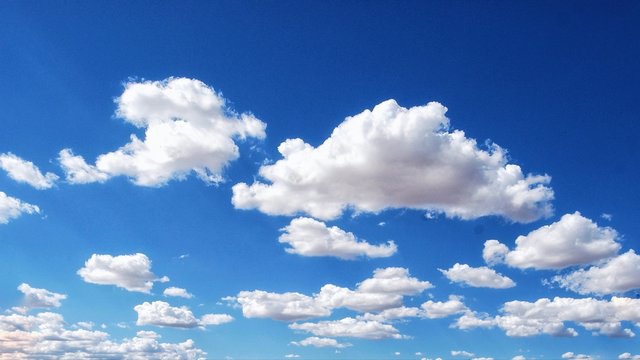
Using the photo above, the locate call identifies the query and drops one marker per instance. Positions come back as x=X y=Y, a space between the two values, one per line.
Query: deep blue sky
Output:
x=554 y=83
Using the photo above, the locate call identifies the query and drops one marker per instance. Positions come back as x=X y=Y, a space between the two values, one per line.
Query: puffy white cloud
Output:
x=393 y=157
x=38 y=298
x=130 y=272
x=77 y=171
x=350 y=327
x=494 y=252
x=393 y=314
x=11 y=208
x=478 y=277
x=25 y=171
x=519 y=357
x=628 y=356
x=320 y=342
x=545 y=316
x=160 y=313
x=462 y=353
x=188 y=128
x=572 y=356
x=383 y=291
x=617 y=275
x=437 y=310
x=292 y=356
x=178 y=292
x=309 y=237
x=573 y=240
x=44 y=336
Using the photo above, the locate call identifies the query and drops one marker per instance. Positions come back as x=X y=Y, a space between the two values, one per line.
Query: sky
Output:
x=319 y=180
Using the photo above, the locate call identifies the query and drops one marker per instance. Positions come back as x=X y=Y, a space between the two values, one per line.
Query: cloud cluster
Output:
x=188 y=128
x=545 y=316
x=25 y=171
x=11 y=208
x=350 y=327
x=44 y=336
x=393 y=157
x=160 y=313
x=483 y=277
x=320 y=342
x=130 y=272
x=35 y=298
x=309 y=237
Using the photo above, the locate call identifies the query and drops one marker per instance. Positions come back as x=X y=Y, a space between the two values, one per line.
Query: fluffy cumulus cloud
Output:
x=439 y=309
x=130 y=272
x=477 y=277
x=320 y=342
x=177 y=292
x=573 y=240
x=44 y=336
x=384 y=290
x=160 y=313
x=393 y=157
x=188 y=129
x=350 y=327
x=616 y=275
x=25 y=171
x=570 y=355
x=494 y=252
x=628 y=356
x=11 y=208
x=545 y=316
x=462 y=353
x=309 y=237
x=38 y=298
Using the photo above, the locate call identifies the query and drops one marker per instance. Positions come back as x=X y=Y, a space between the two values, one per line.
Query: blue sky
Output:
x=261 y=179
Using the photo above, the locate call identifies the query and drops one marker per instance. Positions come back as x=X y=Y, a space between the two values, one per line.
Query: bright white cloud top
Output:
x=188 y=128
x=309 y=237
x=130 y=272
x=160 y=313
x=393 y=157
x=35 y=298
x=24 y=171
x=350 y=327
x=11 y=208
x=477 y=277
x=177 y=292
x=321 y=342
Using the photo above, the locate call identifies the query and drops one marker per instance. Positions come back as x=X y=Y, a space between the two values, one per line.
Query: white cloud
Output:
x=437 y=310
x=616 y=275
x=628 y=356
x=178 y=292
x=494 y=252
x=350 y=327
x=572 y=356
x=130 y=272
x=292 y=356
x=308 y=237
x=519 y=357
x=483 y=277
x=25 y=171
x=160 y=313
x=77 y=171
x=573 y=240
x=384 y=290
x=38 y=298
x=188 y=128
x=482 y=358
x=44 y=336
x=545 y=316
x=11 y=208
x=393 y=157
x=320 y=342
x=462 y=353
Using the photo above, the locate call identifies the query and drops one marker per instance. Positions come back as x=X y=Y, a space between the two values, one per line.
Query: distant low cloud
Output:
x=130 y=272
x=24 y=171
x=188 y=129
x=462 y=353
x=350 y=327
x=394 y=157
x=35 y=298
x=321 y=342
x=309 y=237
x=177 y=292
x=160 y=313
x=11 y=208
x=569 y=355
x=482 y=277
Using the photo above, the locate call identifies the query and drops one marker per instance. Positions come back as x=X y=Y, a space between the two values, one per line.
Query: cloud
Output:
x=35 y=298
x=176 y=291
x=616 y=275
x=393 y=157
x=384 y=290
x=350 y=327
x=572 y=356
x=308 y=237
x=628 y=356
x=11 y=208
x=573 y=240
x=462 y=353
x=545 y=316
x=320 y=342
x=188 y=129
x=24 y=171
x=519 y=357
x=494 y=252
x=160 y=313
x=130 y=272
x=292 y=356
x=437 y=310
x=44 y=336
x=483 y=277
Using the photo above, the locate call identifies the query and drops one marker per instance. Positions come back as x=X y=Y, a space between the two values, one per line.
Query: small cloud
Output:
x=606 y=216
